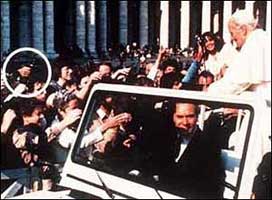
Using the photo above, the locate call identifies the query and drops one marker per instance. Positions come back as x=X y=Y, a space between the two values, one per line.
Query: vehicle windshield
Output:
x=171 y=144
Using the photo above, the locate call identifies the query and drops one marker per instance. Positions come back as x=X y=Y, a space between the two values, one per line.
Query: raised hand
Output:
x=95 y=76
x=198 y=55
x=116 y=121
x=124 y=71
x=8 y=117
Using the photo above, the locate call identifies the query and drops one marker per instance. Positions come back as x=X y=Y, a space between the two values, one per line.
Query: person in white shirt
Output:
x=251 y=68
x=216 y=56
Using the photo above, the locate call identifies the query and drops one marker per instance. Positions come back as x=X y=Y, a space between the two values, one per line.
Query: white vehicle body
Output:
x=240 y=165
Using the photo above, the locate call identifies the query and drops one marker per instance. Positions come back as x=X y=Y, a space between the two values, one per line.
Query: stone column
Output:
x=102 y=31
x=216 y=22
x=185 y=24
x=164 y=25
x=249 y=6
x=91 y=29
x=37 y=25
x=226 y=15
x=80 y=25
x=49 y=45
x=206 y=16
x=143 y=23
x=5 y=27
x=24 y=19
x=123 y=22
x=70 y=25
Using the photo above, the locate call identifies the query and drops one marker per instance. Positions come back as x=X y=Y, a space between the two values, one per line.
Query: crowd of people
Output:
x=39 y=131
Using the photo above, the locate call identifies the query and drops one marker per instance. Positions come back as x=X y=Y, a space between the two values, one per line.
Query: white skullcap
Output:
x=244 y=17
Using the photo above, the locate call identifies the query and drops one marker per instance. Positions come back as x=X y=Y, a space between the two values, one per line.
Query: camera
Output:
x=199 y=46
x=199 y=41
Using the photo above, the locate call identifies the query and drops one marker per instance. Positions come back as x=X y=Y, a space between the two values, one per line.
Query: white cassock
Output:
x=251 y=68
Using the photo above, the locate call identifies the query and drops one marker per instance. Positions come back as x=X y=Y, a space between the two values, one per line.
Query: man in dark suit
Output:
x=196 y=171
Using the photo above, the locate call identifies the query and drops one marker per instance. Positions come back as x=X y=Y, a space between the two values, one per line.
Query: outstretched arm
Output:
x=153 y=72
x=193 y=69
x=8 y=118
x=81 y=94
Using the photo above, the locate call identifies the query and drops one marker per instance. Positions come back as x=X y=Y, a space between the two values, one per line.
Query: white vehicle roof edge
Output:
x=249 y=98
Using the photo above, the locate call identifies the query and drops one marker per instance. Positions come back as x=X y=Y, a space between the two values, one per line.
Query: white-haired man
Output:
x=251 y=69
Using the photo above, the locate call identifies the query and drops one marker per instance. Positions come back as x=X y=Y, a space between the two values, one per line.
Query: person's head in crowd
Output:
x=240 y=25
x=124 y=105
x=68 y=102
x=66 y=73
x=209 y=42
x=105 y=69
x=31 y=111
x=185 y=117
x=170 y=65
x=68 y=109
x=171 y=80
x=25 y=70
x=205 y=78
x=106 y=104
x=63 y=70
x=83 y=82
x=23 y=73
x=71 y=85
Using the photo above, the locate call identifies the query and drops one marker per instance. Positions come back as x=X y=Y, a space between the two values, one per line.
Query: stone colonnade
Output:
x=89 y=30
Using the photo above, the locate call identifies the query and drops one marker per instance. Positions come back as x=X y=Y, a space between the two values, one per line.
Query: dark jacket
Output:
x=198 y=173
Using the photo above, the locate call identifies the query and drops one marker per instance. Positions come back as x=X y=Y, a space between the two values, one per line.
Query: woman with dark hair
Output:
x=209 y=56
x=216 y=54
